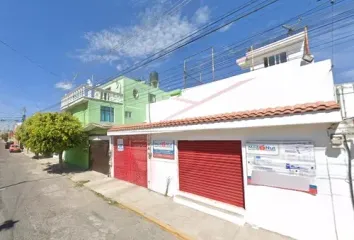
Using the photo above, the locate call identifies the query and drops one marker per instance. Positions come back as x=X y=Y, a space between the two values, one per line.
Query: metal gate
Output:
x=130 y=159
x=99 y=156
x=212 y=169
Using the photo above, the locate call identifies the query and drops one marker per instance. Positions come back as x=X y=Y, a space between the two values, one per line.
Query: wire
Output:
x=232 y=65
x=309 y=12
x=314 y=47
x=163 y=52
x=350 y=176
x=175 y=8
x=28 y=58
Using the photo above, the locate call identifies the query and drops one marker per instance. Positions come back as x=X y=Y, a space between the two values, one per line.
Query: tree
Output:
x=5 y=136
x=51 y=133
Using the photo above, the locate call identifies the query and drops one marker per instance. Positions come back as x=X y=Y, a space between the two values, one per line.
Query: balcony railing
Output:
x=88 y=92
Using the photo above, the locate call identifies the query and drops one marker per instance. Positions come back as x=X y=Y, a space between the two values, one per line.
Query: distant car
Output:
x=14 y=148
x=8 y=144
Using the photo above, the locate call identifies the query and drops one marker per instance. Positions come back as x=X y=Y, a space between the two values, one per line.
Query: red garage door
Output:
x=212 y=169
x=130 y=159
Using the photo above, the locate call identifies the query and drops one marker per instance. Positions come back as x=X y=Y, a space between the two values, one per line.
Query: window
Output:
x=135 y=93
x=105 y=95
x=128 y=114
x=152 y=98
x=276 y=59
x=107 y=114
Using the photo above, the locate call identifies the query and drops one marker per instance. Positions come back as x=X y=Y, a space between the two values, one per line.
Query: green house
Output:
x=121 y=101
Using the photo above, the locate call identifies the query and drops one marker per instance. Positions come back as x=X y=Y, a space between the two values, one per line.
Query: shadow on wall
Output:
x=333 y=152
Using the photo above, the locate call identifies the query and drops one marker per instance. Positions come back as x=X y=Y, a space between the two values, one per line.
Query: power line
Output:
x=311 y=11
x=28 y=58
x=174 y=8
x=314 y=47
x=168 y=49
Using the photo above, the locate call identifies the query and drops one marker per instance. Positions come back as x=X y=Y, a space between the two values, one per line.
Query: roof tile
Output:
x=266 y=112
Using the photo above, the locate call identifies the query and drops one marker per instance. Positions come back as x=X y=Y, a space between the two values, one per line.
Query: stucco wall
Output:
x=138 y=105
x=279 y=85
x=94 y=110
x=78 y=157
x=81 y=112
x=296 y=214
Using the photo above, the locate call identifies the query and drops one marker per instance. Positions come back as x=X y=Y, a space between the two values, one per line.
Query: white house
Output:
x=251 y=148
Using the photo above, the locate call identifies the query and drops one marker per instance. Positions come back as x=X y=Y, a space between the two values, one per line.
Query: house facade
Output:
x=253 y=148
x=120 y=101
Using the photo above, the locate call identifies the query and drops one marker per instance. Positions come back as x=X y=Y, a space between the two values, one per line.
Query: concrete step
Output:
x=221 y=210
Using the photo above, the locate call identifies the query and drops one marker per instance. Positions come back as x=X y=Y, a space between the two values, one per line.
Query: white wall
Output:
x=160 y=170
x=294 y=53
x=345 y=95
x=275 y=86
x=296 y=214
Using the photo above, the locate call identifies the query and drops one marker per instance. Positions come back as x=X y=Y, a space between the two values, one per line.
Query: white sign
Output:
x=120 y=145
x=164 y=149
x=262 y=149
x=281 y=164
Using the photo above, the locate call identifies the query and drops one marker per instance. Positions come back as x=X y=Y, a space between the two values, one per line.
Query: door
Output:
x=212 y=169
x=99 y=156
x=130 y=159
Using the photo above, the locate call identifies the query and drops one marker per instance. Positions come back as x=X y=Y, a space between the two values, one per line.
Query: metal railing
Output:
x=89 y=92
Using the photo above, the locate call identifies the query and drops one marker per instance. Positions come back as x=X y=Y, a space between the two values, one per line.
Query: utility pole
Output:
x=23 y=114
x=212 y=63
x=184 y=75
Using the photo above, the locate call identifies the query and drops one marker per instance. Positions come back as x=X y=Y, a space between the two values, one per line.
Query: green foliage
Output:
x=51 y=133
x=5 y=136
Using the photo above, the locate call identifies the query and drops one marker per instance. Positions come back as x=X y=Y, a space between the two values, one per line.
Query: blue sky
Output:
x=74 y=37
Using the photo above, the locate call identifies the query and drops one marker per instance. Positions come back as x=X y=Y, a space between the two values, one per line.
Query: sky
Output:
x=53 y=46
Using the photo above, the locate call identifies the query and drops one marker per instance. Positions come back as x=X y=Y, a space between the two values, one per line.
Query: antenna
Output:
x=291 y=28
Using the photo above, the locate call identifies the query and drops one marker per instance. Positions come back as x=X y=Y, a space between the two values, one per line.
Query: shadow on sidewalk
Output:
x=7 y=225
x=54 y=168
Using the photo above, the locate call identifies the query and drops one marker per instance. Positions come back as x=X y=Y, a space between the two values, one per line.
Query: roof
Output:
x=92 y=126
x=242 y=115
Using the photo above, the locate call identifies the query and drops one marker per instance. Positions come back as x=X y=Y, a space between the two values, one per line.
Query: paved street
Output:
x=37 y=205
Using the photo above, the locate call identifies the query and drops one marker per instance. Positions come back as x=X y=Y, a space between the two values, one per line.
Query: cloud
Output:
x=64 y=85
x=122 y=66
x=150 y=35
x=226 y=28
x=202 y=15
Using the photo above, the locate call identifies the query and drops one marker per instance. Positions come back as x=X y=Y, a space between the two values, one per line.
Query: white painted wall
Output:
x=296 y=214
x=160 y=170
x=276 y=86
x=294 y=54
x=345 y=96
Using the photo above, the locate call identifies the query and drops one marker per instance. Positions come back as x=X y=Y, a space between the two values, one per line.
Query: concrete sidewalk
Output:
x=180 y=220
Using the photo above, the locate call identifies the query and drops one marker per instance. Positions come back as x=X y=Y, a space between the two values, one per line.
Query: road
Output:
x=35 y=205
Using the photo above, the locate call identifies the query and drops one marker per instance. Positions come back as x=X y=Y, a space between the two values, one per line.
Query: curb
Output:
x=154 y=220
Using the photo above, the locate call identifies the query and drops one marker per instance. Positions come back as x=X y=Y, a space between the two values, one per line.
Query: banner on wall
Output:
x=289 y=165
x=163 y=149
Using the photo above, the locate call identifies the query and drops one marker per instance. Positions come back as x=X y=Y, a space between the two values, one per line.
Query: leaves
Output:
x=51 y=132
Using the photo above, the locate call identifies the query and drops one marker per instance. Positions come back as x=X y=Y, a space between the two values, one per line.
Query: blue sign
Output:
x=164 y=149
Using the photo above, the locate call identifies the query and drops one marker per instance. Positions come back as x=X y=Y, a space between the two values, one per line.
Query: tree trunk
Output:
x=61 y=161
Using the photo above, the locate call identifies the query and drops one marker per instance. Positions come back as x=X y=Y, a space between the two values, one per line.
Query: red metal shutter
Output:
x=212 y=169
x=130 y=164
x=138 y=171
x=121 y=159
